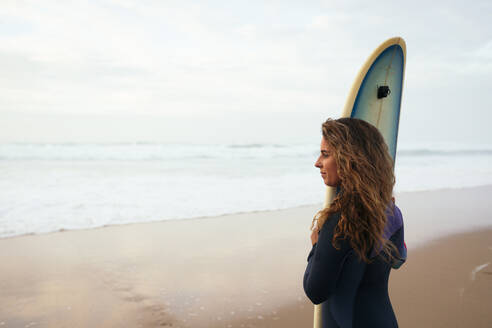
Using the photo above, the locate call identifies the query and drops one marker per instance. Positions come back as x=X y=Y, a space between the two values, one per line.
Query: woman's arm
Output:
x=397 y=237
x=398 y=240
x=325 y=263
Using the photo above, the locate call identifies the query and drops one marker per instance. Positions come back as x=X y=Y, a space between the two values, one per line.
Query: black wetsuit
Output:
x=353 y=293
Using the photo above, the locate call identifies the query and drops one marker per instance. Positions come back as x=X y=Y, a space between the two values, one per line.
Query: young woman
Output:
x=359 y=237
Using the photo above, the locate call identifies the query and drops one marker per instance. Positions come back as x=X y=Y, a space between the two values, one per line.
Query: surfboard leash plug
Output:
x=383 y=91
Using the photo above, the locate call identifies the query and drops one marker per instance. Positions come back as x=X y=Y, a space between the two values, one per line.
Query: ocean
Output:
x=53 y=187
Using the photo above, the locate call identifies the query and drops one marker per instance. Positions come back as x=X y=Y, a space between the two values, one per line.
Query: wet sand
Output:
x=242 y=270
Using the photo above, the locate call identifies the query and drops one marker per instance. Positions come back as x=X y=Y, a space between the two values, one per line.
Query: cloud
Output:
x=484 y=52
x=248 y=31
x=122 y=57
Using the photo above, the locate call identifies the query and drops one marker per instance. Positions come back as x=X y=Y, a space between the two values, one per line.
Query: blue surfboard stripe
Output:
x=392 y=57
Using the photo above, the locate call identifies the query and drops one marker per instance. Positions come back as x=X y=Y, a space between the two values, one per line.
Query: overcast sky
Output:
x=234 y=72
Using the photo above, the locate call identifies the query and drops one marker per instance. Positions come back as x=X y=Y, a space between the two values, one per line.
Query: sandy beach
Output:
x=242 y=270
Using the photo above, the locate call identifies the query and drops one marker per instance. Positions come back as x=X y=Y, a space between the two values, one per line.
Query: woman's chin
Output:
x=331 y=184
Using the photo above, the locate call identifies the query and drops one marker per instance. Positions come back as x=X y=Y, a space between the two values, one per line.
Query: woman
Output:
x=359 y=237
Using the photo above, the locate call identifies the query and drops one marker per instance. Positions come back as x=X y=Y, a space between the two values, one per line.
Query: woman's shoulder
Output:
x=394 y=221
x=396 y=215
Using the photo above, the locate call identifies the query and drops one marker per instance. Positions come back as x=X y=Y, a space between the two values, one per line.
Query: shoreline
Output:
x=315 y=205
x=240 y=270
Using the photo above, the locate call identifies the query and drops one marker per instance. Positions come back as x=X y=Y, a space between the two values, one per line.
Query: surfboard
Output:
x=375 y=97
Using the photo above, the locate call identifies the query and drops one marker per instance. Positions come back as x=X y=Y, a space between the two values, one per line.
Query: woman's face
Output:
x=327 y=164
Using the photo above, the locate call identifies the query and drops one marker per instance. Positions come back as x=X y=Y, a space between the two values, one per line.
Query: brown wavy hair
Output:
x=365 y=169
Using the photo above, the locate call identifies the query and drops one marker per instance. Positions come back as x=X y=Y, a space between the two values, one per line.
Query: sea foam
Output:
x=49 y=187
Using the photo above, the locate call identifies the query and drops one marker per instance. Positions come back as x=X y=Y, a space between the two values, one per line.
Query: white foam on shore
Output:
x=53 y=187
x=474 y=272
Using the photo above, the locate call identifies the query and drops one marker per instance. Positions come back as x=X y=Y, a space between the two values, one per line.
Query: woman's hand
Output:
x=314 y=236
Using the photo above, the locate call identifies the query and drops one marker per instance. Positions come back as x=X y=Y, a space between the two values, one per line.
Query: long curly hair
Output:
x=365 y=169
